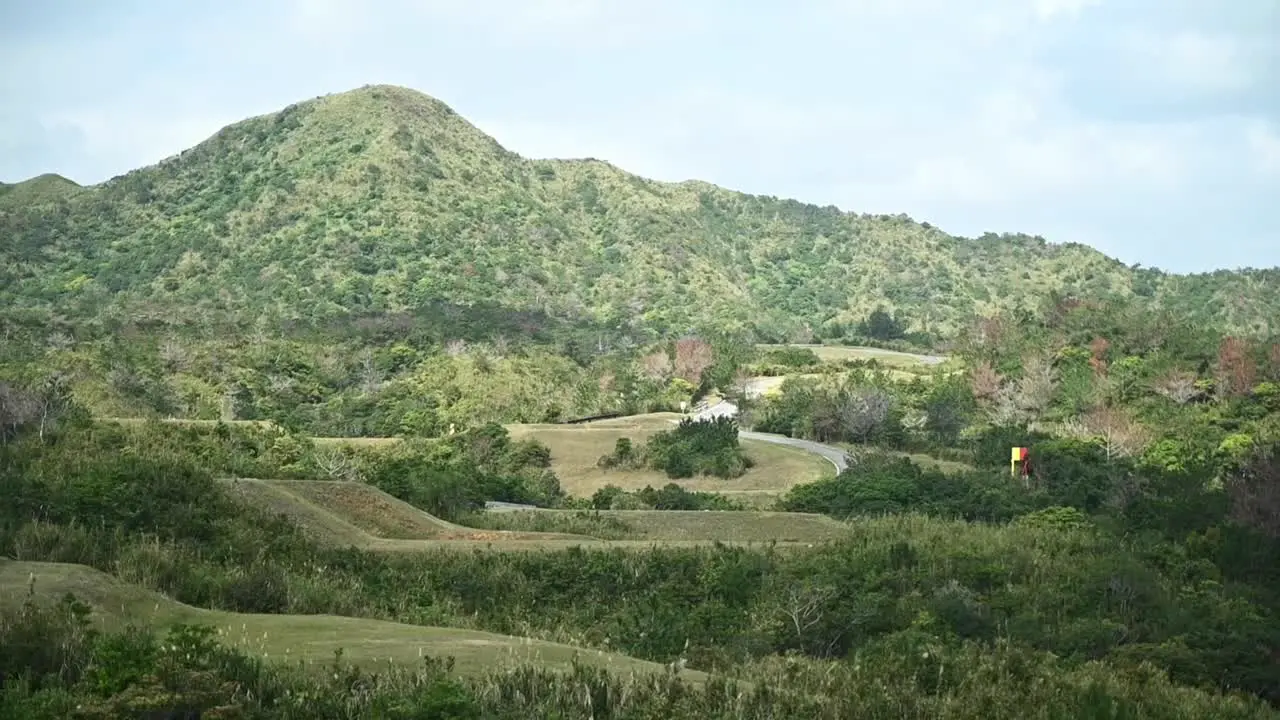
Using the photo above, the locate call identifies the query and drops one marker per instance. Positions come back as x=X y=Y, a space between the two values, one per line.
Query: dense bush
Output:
x=878 y=484
x=694 y=447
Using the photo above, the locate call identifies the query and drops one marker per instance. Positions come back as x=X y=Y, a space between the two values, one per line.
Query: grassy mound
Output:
x=309 y=639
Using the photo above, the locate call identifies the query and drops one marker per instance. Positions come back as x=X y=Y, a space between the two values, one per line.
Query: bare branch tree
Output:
x=17 y=408
x=656 y=366
x=862 y=411
x=174 y=355
x=455 y=348
x=370 y=375
x=335 y=464
x=802 y=605
x=1036 y=386
x=1117 y=431
x=1178 y=386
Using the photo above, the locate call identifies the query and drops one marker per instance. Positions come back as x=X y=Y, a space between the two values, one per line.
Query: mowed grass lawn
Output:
x=353 y=514
x=693 y=525
x=838 y=353
x=307 y=639
x=576 y=451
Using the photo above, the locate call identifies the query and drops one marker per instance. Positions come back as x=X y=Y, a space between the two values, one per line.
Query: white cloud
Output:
x=1193 y=60
x=1264 y=143
x=127 y=138
x=1050 y=9
x=578 y=23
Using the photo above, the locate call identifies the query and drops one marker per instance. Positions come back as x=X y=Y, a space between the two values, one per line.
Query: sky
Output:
x=1149 y=129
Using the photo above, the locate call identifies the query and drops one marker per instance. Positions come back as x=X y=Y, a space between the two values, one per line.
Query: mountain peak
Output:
x=383 y=199
x=43 y=188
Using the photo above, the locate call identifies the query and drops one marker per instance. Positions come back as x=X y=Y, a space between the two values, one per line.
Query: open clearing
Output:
x=348 y=514
x=308 y=639
x=838 y=353
x=576 y=449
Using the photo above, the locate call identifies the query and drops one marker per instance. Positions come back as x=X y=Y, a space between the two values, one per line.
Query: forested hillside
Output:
x=382 y=201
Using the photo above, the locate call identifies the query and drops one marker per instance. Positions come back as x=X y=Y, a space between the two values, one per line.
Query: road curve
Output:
x=724 y=408
x=834 y=455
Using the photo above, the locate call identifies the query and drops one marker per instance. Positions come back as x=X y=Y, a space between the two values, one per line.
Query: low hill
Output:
x=383 y=201
x=309 y=639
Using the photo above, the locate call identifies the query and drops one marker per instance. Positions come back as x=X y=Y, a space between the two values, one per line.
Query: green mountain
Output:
x=383 y=201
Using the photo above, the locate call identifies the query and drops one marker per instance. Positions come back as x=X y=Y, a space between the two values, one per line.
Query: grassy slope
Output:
x=355 y=514
x=382 y=198
x=310 y=639
x=722 y=526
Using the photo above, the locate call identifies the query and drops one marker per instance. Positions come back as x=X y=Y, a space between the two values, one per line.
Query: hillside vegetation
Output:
x=232 y=384
x=383 y=201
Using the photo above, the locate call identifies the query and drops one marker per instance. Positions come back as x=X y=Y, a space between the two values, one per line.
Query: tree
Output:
x=17 y=408
x=1116 y=430
x=946 y=411
x=1236 y=371
x=370 y=375
x=1254 y=492
x=862 y=411
x=1178 y=386
x=987 y=337
x=693 y=357
x=1026 y=400
x=985 y=382
x=801 y=606
x=882 y=326
x=51 y=401
x=1098 y=355
x=656 y=366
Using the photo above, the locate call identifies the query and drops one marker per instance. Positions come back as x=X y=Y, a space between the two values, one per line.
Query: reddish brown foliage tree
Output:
x=1098 y=355
x=990 y=332
x=985 y=382
x=1273 y=362
x=693 y=357
x=1236 y=370
x=1254 y=492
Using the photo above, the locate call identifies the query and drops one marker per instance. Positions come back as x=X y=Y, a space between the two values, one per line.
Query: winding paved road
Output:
x=724 y=408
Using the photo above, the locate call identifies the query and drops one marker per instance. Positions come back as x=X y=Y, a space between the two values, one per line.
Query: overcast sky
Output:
x=1149 y=129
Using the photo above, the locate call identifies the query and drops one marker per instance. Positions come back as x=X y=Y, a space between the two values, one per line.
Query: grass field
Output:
x=892 y=358
x=921 y=459
x=682 y=525
x=575 y=450
x=307 y=639
x=347 y=514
